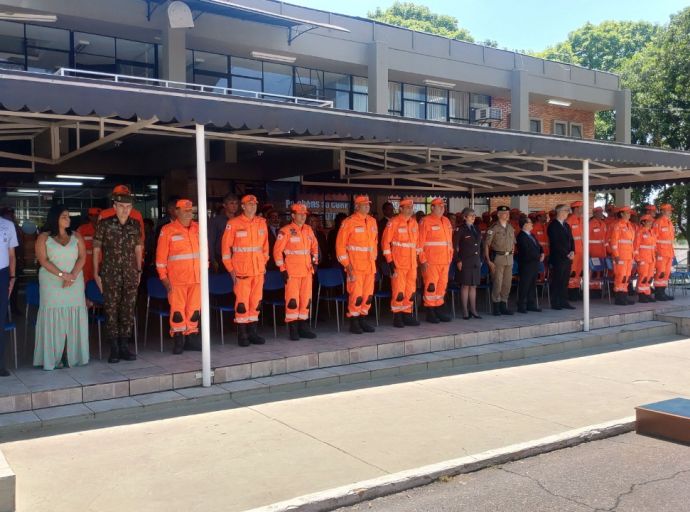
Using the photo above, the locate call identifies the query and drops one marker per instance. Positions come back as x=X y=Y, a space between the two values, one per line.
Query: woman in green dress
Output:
x=62 y=329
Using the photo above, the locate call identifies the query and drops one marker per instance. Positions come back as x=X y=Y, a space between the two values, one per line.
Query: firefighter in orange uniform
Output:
x=645 y=256
x=621 y=245
x=436 y=242
x=598 y=242
x=177 y=264
x=296 y=254
x=356 y=250
x=87 y=231
x=574 y=220
x=400 y=247
x=245 y=253
x=123 y=190
x=539 y=232
x=665 y=237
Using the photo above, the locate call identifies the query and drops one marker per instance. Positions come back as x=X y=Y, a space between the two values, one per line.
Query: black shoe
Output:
x=192 y=343
x=125 y=354
x=642 y=298
x=398 y=320
x=242 y=336
x=620 y=299
x=650 y=298
x=178 y=344
x=294 y=333
x=496 y=308
x=475 y=315
x=556 y=307
x=442 y=315
x=568 y=306
x=366 y=326
x=629 y=301
x=355 y=328
x=504 y=309
x=304 y=331
x=114 y=352
x=410 y=320
x=534 y=308
x=431 y=315
x=254 y=338
x=522 y=309
x=4 y=372
x=466 y=317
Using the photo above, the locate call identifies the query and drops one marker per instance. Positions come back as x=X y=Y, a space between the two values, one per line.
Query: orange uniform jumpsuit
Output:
x=245 y=253
x=575 y=223
x=621 y=244
x=400 y=244
x=356 y=245
x=645 y=256
x=598 y=241
x=539 y=232
x=87 y=231
x=296 y=252
x=436 y=242
x=177 y=259
x=665 y=236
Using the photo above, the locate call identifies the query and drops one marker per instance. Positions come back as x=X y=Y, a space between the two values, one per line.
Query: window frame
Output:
x=566 y=129
x=538 y=120
x=581 y=126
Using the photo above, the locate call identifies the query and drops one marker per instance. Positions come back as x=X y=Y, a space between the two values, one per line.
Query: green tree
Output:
x=420 y=17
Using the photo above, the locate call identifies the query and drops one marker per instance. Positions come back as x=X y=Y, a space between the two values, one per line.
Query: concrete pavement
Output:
x=259 y=453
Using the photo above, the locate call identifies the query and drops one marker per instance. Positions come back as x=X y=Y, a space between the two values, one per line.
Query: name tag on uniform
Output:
x=596 y=230
x=402 y=230
x=435 y=228
x=177 y=238
x=241 y=234
x=664 y=229
x=359 y=230
x=295 y=239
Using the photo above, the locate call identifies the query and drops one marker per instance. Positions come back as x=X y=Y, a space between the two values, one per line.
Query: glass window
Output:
x=459 y=105
x=395 y=98
x=245 y=84
x=360 y=84
x=245 y=67
x=340 y=99
x=560 y=128
x=99 y=63
x=437 y=104
x=414 y=109
x=360 y=102
x=480 y=100
x=135 y=51
x=308 y=83
x=336 y=81
x=136 y=69
x=213 y=62
x=414 y=92
x=94 y=44
x=211 y=80
x=47 y=37
x=46 y=61
x=535 y=125
x=576 y=130
x=277 y=79
x=11 y=45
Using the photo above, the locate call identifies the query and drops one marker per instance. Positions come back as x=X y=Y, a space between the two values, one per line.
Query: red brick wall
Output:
x=548 y=114
x=544 y=201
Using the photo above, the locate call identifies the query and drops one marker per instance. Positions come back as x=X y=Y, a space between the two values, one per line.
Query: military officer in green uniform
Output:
x=499 y=247
x=118 y=239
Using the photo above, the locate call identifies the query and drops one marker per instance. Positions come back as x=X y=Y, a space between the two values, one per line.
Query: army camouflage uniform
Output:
x=118 y=273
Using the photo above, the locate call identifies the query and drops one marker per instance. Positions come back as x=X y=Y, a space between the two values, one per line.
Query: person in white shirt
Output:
x=8 y=267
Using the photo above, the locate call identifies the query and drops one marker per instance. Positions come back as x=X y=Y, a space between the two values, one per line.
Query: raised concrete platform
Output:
x=154 y=372
x=8 y=482
x=668 y=419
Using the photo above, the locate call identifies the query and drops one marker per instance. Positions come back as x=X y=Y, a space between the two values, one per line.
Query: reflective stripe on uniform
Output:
x=246 y=249
x=188 y=256
x=298 y=251
x=291 y=316
x=398 y=308
x=407 y=245
x=646 y=247
x=227 y=257
x=436 y=244
x=624 y=241
x=342 y=258
x=664 y=241
x=386 y=251
x=596 y=241
x=357 y=248
x=161 y=265
x=433 y=297
x=280 y=263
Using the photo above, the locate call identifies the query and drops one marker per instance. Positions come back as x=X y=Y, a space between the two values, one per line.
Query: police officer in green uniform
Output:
x=499 y=247
x=118 y=238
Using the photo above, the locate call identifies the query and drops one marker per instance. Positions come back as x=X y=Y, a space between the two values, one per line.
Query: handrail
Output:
x=156 y=82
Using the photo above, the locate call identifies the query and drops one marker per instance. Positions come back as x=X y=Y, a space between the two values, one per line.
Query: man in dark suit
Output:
x=561 y=257
x=273 y=221
x=529 y=254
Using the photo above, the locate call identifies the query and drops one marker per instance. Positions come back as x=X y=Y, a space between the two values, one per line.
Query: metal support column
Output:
x=203 y=256
x=585 y=245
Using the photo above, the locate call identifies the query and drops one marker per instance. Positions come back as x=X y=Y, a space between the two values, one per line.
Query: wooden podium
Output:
x=669 y=419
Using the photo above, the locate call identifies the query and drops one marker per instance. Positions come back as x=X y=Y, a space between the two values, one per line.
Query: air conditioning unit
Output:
x=487 y=115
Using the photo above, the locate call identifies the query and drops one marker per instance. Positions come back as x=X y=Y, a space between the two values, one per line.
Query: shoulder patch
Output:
x=228 y=226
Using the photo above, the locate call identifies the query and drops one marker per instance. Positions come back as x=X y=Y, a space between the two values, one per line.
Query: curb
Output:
x=397 y=482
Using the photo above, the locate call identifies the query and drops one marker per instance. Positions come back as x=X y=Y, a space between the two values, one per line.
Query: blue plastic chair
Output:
x=331 y=278
x=601 y=265
x=220 y=285
x=155 y=290
x=12 y=327
x=273 y=281
x=453 y=287
x=485 y=283
x=379 y=294
x=677 y=277
x=33 y=299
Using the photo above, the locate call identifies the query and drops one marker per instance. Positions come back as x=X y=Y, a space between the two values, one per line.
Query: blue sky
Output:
x=522 y=24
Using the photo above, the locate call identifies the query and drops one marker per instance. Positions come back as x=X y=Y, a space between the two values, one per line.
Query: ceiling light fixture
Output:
x=62 y=183
x=559 y=103
x=25 y=16
x=274 y=57
x=34 y=191
x=438 y=83
x=77 y=177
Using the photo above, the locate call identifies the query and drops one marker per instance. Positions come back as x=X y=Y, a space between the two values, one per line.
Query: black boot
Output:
x=650 y=298
x=410 y=320
x=253 y=335
x=642 y=298
x=442 y=315
x=192 y=342
x=629 y=301
x=366 y=326
x=521 y=308
x=431 y=315
x=621 y=299
x=178 y=344
x=125 y=354
x=496 y=306
x=292 y=328
x=355 y=328
x=504 y=309
x=114 y=352
x=304 y=331
x=398 y=320
x=242 y=336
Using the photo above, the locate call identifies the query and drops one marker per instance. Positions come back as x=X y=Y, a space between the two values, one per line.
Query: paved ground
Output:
x=260 y=453
x=624 y=474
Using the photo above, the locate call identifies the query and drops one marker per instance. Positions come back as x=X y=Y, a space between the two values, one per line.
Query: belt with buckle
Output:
x=503 y=253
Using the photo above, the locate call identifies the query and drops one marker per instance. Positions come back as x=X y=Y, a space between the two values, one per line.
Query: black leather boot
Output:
x=304 y=331
x=355 y=328
x=442 y=315
x=621 y=300
x=125 y=354
x=242 y=336
x=496 y=306
x=366 y=326
x=410 y=320
x=431 y=315
x=504 y=309
x=254 y=336
x=114 y=352
x=398 y=320
x=292 y=328
x=192 y=342
x=642 y=298
x=178 y=344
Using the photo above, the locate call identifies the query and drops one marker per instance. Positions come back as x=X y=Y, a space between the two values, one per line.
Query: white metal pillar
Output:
x=585 y=245
x=203 y=256
x=472 y=198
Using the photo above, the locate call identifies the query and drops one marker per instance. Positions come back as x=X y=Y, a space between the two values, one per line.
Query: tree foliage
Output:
x=420 y=17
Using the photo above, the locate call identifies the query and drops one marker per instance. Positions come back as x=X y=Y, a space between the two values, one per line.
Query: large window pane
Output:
x=480 y=101
x=437 y=112
x=436 y=95
x=211 y=80
x=277 y=79
x=47 y=37
x=394 y=97
x=214 y=62
x=414 y=92
x=135 y=51
x=360 y=102
x=134 y=69
x=245 y=67
x=11 y=45
x=95 y=63
x=245 y=84
x=360 y=84
x=340 y=99
x=94 y=44
x=308 y=83
x=46 y=61
x=459 y=105
x=414 y=109
x=337 y=81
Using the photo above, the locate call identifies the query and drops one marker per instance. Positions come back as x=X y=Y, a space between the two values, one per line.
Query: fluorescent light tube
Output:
x=437 y=83
x=274 y=57
x=76 y=177
x=559 y=103
x=62 y=183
